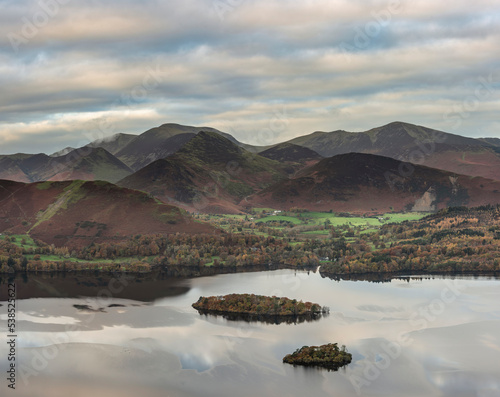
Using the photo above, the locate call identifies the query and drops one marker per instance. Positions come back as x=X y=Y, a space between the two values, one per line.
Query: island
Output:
x=327 y=356
x=258 y=307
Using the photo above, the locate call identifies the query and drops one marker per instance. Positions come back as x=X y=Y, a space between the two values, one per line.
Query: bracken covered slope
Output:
x=78 y=213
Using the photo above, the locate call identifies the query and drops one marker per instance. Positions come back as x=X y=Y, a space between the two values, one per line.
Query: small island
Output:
x=327 y=356
x=258 y=305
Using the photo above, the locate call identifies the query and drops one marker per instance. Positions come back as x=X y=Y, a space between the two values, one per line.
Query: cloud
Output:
x=328 y=65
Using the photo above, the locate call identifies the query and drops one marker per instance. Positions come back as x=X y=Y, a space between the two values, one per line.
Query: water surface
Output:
x=412 y=336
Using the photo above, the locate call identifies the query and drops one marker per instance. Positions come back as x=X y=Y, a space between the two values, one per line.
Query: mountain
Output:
x=113 y=144
x=369 y=183
x=84 y=163
x=158 y=143
x=297 y=157
x=87 y=164
x=491 y=141
x=137 y=151
x=11 y=167
x=77 y=213
x=412 y=143
x=210 y=173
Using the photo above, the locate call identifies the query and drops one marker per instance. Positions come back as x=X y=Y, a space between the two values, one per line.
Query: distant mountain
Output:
x=137 y=151
x=204 y=169
x=297 y=157
x=369 y=183
x=412 y=143
x=87 y=164
x=210 y=173
x=84 y=163
x=113 y=144
x=11 y=167
x=158 y=143
x=78 y=213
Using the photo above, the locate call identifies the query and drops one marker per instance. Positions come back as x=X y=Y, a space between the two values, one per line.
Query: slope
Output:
x=369 y=183
x=78 y=213
x=297 y=157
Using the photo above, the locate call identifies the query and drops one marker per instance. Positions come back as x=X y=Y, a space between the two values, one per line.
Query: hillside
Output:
x=77 y=213
x=210 y=174
x=491 y=141
x=84 y=163
x=408 y=142
x=368 y=183
x=292 y=154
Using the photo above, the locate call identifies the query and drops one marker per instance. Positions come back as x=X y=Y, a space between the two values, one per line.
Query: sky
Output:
x=265 y=71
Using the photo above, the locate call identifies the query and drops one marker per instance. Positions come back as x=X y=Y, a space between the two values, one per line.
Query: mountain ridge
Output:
x=358 y=182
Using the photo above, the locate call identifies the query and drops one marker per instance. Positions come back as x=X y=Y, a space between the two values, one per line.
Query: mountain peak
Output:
x=210 y=147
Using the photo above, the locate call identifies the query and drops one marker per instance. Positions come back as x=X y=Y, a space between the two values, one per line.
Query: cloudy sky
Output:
x=72 y=71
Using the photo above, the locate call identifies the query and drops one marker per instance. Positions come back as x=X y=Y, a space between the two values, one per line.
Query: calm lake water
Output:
x=413 y=336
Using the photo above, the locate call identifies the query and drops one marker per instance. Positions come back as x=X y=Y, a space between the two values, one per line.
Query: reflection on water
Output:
x=146 y=288
x=268 y=319
x=414 y=336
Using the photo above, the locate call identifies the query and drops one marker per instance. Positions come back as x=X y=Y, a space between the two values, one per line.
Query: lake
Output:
x=412 y=336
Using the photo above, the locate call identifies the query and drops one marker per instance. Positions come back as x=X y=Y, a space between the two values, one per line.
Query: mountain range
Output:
x=398 y=166
x=86 y=163
x=415 y=144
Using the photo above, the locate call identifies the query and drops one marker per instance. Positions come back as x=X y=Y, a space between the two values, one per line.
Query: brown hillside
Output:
x=367 y=183
x=77 y=213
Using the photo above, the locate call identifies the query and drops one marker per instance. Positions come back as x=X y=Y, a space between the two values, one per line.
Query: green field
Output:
x=320 y=232
x=319 y=218
x=18 y=238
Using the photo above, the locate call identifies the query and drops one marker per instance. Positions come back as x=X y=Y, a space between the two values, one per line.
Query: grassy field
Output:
x=317 y=221
x=317 y=232
x=319 y=218
x=18 y=238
